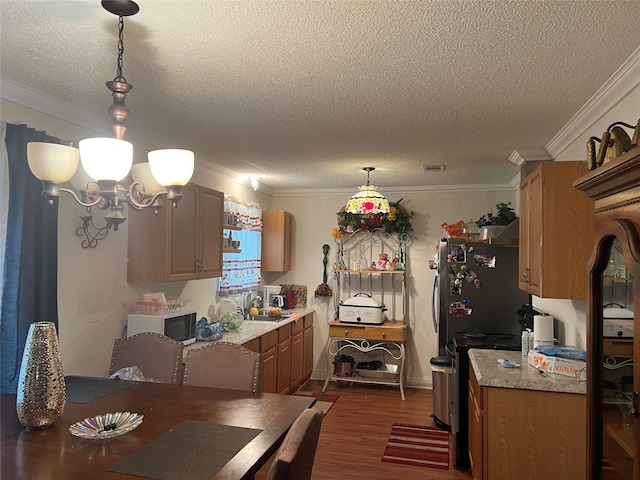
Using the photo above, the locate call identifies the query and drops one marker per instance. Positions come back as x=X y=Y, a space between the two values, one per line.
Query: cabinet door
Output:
x=286 y=247
x=535 y=241
x=183 y=238
x=276 y=241
x=269 y=371
x=284 y=359
x=297 y=360
x=210 y=234
x=308 y=352
x=475 y=426
x=556 y=232
x=523 y=252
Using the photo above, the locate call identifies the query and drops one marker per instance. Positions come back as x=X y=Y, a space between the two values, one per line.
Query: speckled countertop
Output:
x=491 y=374
x=252 y=329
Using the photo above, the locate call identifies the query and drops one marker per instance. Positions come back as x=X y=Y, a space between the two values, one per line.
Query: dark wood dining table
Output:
x=57 y=454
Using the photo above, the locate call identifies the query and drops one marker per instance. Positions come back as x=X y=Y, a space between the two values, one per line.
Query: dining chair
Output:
x=223 y=365
x=294 y=460
x=157 y=356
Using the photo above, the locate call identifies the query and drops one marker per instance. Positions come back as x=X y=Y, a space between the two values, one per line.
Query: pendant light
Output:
x=108 y=161
x=367 y=201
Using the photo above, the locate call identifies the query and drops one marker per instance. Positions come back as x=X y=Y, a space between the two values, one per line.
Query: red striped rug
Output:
x=419 y=446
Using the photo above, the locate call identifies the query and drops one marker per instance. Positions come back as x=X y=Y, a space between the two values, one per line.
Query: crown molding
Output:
x=624 y=80
x=522 y=155
x=41 y=102
x=494 y=187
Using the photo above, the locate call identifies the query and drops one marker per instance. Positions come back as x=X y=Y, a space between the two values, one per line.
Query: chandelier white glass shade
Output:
x=51 y=162
x=107 y=162
x=367 y=201
x=171 y=167
x=106 y=158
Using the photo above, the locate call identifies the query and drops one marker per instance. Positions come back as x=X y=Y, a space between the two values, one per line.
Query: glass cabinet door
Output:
x=617 y=367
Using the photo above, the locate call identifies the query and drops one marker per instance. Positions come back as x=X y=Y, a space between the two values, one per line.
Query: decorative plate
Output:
x=106 y=426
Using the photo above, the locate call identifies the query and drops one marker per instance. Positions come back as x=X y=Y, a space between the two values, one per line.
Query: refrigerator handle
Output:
x=436 y=281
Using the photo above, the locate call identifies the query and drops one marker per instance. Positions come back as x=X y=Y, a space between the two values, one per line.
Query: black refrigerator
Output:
x=475 y=290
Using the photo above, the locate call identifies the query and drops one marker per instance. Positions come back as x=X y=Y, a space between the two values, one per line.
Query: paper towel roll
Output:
x=542 y=329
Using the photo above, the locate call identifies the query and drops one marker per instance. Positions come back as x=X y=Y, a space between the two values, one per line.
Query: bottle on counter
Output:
x=525 y=342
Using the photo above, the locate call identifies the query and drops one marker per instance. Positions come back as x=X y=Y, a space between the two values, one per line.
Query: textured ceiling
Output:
x=306 y=93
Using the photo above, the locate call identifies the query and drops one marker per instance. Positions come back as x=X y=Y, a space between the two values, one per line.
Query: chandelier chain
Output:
x=119 y=77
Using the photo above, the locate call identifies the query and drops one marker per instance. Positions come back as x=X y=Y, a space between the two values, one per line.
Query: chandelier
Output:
x=367 y=200
x=107 y=162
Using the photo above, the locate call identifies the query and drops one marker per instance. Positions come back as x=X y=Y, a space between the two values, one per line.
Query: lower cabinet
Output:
x=516 y=433
x=287 y=356
x=308 y=347
x=284 y=360
x=297 y=354
x=266 y=345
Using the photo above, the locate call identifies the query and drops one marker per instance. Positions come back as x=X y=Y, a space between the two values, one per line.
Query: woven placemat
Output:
x=83 y=390
x=190 y=451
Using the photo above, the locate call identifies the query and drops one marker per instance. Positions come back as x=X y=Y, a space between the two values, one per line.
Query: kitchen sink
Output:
x=267 y=318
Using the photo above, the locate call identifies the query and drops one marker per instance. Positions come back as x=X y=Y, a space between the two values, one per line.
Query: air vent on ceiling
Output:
x=433 y=168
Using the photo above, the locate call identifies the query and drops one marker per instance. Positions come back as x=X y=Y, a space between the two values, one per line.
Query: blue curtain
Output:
x=30 y=292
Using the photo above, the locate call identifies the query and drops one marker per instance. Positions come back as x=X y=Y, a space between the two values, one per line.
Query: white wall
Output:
x=315 y=216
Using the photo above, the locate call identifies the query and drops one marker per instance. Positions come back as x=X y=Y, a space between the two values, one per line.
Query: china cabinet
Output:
x=178 y=244
x=613 y=429
x=276 y=241
x=556 y=231
x=358 y=270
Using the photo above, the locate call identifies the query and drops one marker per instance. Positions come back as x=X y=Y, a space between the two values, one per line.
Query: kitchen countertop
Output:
x=252 y=329
x=491 y=374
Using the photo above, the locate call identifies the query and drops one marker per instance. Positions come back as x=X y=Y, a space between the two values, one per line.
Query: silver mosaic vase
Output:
x=41 y=389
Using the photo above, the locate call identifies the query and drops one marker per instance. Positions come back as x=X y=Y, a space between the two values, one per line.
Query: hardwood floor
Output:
x=354 y=434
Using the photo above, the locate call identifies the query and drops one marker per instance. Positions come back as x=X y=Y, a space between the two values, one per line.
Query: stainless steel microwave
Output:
x=180 y=326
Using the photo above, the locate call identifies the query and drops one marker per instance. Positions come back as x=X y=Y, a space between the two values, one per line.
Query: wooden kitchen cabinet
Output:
x=284 y=360
x=276 y=241
x=308 y=346
x=266 y=345
x=178 y=244
x=556 y=232
x=532 y=434
x=297 y=354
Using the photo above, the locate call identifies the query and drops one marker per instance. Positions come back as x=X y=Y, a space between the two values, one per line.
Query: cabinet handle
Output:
x=346 y=333
x=384 y=334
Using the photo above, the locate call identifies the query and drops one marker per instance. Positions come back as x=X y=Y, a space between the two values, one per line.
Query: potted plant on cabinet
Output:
x=492 y=224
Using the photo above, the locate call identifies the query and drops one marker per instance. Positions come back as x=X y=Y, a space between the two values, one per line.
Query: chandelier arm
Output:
x=88 y=204
x=133 y=194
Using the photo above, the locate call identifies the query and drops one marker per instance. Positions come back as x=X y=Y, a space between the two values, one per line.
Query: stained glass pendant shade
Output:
x=367 y=200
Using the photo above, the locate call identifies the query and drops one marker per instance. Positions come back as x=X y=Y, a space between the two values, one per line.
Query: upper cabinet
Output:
x=556 y=232
x=178 y=244
x=276 y=241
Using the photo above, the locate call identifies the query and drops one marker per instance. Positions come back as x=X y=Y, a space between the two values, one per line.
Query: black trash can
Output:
x=442 y=378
